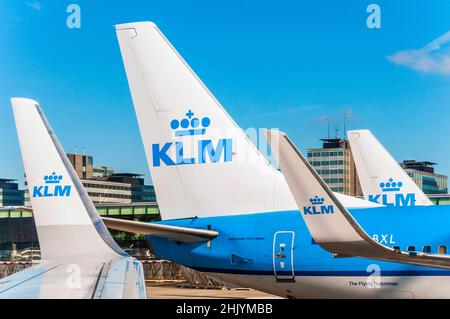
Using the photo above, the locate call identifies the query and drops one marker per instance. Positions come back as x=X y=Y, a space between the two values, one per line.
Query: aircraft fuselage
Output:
x=274 y=252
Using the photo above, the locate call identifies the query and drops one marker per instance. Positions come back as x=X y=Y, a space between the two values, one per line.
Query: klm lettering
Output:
x=49 y=191
x=318 y=210
x=398 y=200
x=206 y=153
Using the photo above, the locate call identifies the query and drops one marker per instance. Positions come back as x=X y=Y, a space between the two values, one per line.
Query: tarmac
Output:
x=171 y=291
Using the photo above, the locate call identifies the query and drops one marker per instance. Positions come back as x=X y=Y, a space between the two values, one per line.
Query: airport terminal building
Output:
x=425 y=177
x=104 y=186
x=334 y=163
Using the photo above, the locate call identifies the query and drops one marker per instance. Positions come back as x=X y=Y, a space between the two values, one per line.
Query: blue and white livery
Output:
x=292 y=237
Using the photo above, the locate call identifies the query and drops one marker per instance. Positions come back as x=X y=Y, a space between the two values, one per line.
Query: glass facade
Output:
x=102 y=171
x=10 y=194
x=423 y=174
x=143 y=193
x=430 y=183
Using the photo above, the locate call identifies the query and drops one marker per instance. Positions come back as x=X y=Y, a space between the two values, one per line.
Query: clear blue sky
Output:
x=281 y=64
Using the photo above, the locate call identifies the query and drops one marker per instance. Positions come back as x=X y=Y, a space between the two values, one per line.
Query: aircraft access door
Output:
x=283 y=255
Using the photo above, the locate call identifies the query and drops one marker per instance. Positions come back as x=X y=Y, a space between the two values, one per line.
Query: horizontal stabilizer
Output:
x=329 y=222
x=180 y=234
x=355 y=202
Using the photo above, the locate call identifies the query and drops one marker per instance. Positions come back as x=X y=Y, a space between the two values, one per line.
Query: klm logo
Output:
x=52 y=187
x=206 y=150
x=388 y=197
x=317 y=207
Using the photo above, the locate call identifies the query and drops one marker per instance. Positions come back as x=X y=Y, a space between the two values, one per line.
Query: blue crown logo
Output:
x=52 y=178
x=190 y=125
x=317 y=200
x=390 y=186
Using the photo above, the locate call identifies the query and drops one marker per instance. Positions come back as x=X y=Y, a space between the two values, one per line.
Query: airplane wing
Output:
x=176 y=233
x=381 y=177
x=328 y=221
x=80 y=259
x=72 y=280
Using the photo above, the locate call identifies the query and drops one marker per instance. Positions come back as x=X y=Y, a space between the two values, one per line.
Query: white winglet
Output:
x=382 y=179
x=328 y=221
x=67 y=222
x=325 y=216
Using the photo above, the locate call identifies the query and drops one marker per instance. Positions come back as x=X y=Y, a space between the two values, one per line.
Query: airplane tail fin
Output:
x=381 y=177
x=201 y=162
x=66 y=220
